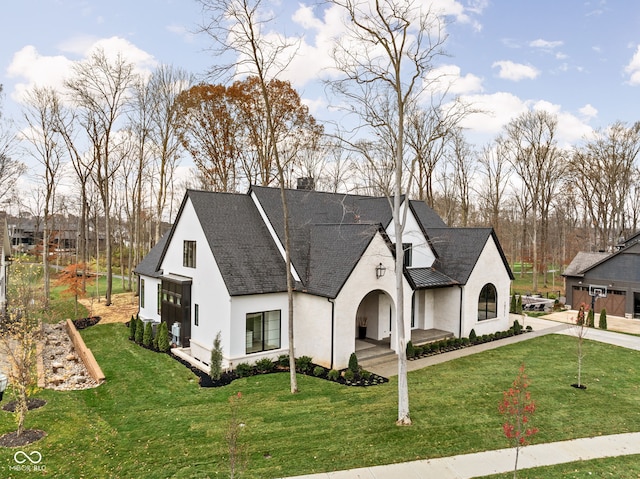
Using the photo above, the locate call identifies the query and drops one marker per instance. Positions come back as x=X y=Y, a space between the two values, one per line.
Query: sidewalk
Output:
x=480 y=464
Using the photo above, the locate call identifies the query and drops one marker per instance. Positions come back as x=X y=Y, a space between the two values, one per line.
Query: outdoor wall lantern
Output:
x=4 y=380
x=380 y=270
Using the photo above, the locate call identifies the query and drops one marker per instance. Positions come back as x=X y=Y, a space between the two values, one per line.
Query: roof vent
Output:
x=307 y=183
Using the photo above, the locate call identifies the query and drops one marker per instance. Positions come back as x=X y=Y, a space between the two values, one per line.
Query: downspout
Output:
x=333 y=308
x=460 y=318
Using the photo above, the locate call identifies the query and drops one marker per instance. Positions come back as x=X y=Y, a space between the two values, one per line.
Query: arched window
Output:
x=488 y=302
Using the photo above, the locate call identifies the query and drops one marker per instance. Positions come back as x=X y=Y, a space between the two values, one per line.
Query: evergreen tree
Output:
x=163 y=337
x=139 y=331
x=591 y=319
x=147 y=335
x=216 y=358
x=602 y=322
x=132 y=328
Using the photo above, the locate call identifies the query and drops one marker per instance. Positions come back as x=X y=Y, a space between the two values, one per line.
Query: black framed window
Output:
x=488 y=302
x=196 y=315
x=407 y=250
x=142 y=292
x=263 y=331
x=189 y=254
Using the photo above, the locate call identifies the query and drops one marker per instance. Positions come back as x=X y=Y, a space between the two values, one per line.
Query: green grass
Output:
x=151 y=419
x=625 y=467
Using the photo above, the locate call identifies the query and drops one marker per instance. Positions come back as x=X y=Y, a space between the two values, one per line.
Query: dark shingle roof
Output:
x=150 y=264
x=310 y=208
x=426 y=215
x=334 y=252
x=459 y=249
x=583 y=261
x=249 y=261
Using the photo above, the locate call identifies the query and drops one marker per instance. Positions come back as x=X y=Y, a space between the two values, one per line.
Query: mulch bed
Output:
x=31 y=404
x=86 y=322
x=28 y=436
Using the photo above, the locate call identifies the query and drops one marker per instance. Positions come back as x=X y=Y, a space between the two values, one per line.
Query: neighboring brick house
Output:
x=221 y=269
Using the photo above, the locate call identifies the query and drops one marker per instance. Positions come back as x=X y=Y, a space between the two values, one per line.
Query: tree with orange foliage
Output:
x=73 y=277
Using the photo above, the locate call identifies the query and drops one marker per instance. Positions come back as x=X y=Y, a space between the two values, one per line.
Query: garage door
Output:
x=614 y=303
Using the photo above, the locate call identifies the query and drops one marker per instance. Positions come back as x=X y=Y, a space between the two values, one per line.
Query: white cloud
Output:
x=37 y=70
x=497 y=110
x=500 y=108
x=33 y=69
x=515 y=71
x=633 y=68
x=545 y=44
x=588 y=111
x=447 y=78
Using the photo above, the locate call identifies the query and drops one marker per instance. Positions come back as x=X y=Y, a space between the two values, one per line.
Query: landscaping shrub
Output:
x=303 y=364
x=365 y=374
x=132 y=328
x=349 y=375
x=154 y=343
x=163 y=338
x=283 y=361
x=411 y=352
x=139 y=331
x=353 y=363
x=514 y=303
x=244 y=370
x=472 y=336
x=215 y=369
x=517 y=329
x=333 y=375
x=318 y=371
x=602 y=322
x=519 y=305
x=465 y=341
x=147 y=335
x=265 y=365
x=591 y=319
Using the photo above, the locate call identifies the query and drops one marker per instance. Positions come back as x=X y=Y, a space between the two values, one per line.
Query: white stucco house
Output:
x=221 y=268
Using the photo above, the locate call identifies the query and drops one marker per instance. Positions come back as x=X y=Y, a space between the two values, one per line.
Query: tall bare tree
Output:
x=493 y=167
x=386 y=53
x=41 y=114
x=10 y=169
x=100 y=87
x=530 y=140
x=165 y=85
x=604 y=168
x=237 y=26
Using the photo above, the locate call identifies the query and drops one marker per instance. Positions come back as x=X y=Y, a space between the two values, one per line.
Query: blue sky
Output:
x=579 y=59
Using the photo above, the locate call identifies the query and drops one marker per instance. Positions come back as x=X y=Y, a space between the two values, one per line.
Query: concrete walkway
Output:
x=480 y=464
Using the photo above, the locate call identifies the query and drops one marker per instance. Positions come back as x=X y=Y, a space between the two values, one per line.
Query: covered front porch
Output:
x=370 y=348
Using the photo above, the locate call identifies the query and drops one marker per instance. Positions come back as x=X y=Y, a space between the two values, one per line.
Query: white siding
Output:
x=361 y=282
x=240 y=306
x=207 y=289
x=313 y=328
x=150 y=309
x=422 y=255
x=488 y=269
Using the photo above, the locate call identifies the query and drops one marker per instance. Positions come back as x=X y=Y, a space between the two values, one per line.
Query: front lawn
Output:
x=151 y=419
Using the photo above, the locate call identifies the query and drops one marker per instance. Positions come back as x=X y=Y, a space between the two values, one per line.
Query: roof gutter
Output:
x=333 y=309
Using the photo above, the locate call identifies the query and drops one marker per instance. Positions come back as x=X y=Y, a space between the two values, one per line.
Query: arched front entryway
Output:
x=375 y=317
